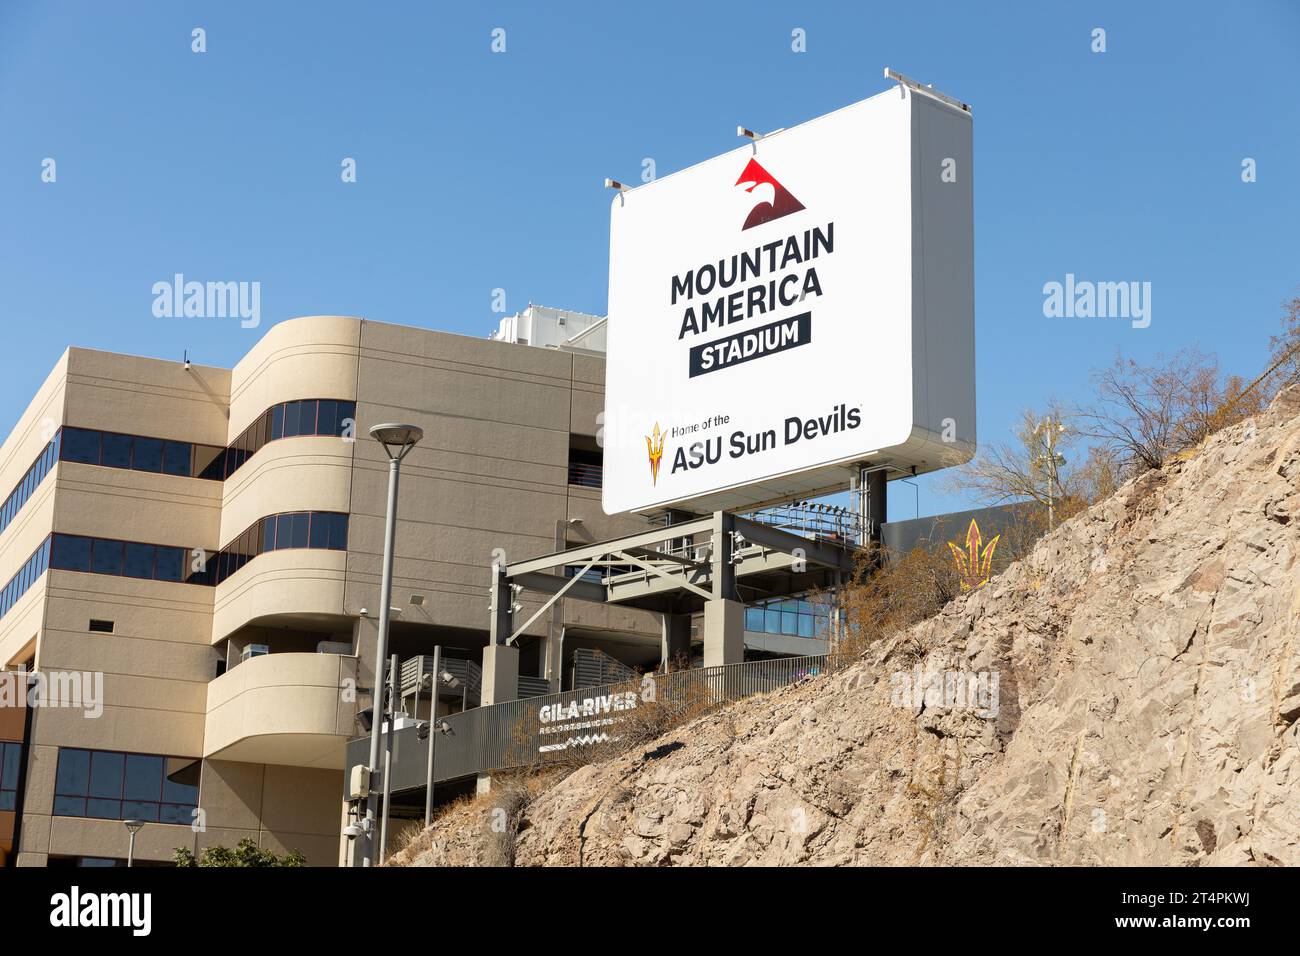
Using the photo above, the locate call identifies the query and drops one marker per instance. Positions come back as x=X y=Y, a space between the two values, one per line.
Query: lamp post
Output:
x=397 y=440
x=133 y=827
x=435 y=726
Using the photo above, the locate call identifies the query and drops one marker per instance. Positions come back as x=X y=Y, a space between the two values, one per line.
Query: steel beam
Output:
x=599 y=549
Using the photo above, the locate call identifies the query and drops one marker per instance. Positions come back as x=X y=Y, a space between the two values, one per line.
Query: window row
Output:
x=88 y=446
x=327 y=530
x=124 y=786
x=32 y=569
x=11 y=758
x=132 y=559
x=312 y=416
x=792 y=618
x=30 y=481
x=139 y=453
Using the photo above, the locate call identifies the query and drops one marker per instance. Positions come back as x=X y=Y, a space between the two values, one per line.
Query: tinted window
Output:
x=292 y=418
x=168 y=563
x=181 y=784
x=104 y=809
x=106 y=556
x=80 y=445
x=327 y=418
x=9 y=769
x=139 y=560
x=143 y=777
x=139 y=811
x=117 y=451
x=106 y=774
x=69 y=806
x=70 y=553
x=297 y=529
x=74 y=771
x=339 y=533
x=277 y=422
x=268 y=533
x=176 y=458
x=148 y=454
x=320 y=530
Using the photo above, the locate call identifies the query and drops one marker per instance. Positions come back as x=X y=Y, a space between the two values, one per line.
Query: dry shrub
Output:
x=1147 y=414
x=889 y=593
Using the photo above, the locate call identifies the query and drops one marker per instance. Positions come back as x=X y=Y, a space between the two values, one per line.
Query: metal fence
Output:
x=571 y=726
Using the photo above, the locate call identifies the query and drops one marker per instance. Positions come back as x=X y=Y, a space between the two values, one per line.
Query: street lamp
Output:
x=434 y=726
x=134 y=827
x=398 y=440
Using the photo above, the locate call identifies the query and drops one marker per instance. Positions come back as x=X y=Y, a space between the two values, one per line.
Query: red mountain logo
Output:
x=783 y=202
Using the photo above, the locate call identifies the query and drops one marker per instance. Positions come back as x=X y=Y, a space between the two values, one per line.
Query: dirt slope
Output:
x=1148 y=664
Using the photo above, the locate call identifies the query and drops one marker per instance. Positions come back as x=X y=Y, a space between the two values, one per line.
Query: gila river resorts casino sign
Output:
x=791 y=308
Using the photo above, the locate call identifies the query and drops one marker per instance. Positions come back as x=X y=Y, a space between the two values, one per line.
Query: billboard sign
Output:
x=793 y=308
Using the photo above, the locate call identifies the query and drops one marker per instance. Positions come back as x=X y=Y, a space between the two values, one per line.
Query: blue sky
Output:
x=479 y=171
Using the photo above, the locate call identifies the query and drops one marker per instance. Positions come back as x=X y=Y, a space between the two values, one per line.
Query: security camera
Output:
x=352 y=831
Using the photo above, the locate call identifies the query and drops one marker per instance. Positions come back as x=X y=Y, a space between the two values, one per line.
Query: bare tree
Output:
x=1024 y=469
x=1146 y=413
x=1285 y=348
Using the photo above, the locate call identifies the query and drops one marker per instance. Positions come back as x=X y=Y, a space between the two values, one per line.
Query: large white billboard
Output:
x=792 y=309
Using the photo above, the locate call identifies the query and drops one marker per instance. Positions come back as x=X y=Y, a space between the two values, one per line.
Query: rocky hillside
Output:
x=1147 y=657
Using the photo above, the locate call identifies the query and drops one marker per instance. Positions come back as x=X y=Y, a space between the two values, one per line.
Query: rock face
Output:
x=1146 y=709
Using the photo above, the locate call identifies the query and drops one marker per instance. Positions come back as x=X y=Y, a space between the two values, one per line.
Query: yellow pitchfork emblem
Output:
x=974 y=566
x=655 y=447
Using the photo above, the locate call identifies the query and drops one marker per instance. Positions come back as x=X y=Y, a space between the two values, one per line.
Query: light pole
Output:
x=133 y=827
x=398 y=440
x=435 y=726
x=1051 y=460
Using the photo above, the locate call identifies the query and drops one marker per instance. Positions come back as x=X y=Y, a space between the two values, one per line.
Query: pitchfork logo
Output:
x=654 y=444
x=783 y=202
x=975 y=562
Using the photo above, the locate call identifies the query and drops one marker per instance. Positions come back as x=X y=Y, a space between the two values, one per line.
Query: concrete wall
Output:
x=492 y=472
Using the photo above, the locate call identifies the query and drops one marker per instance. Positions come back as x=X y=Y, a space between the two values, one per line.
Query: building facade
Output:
x=206 y=544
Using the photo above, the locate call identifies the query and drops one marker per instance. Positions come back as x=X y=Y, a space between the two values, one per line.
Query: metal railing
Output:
x=413 y=670
x=568 y=726
x=812 y=520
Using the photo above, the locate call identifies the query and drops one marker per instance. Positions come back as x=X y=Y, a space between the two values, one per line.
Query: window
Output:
x=148 y=455
x=788 y=617
x=292 y=418
x=80 y=445
x=101 y=627
x=71 y=553
x=106 y=556
x=117 y=451
x=177 y=459
x=327 y=418
x=11 y=759
x=122 y=786
x=168 y=563
x=139 y=560
x=298 y=527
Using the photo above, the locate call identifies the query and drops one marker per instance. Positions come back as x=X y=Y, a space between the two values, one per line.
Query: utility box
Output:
x=359 y=782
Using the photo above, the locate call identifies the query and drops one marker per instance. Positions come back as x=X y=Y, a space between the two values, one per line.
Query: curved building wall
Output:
x=306 y=358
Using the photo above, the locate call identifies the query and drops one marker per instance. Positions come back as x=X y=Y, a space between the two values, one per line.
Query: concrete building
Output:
x=209 y=540
x=206 y=545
